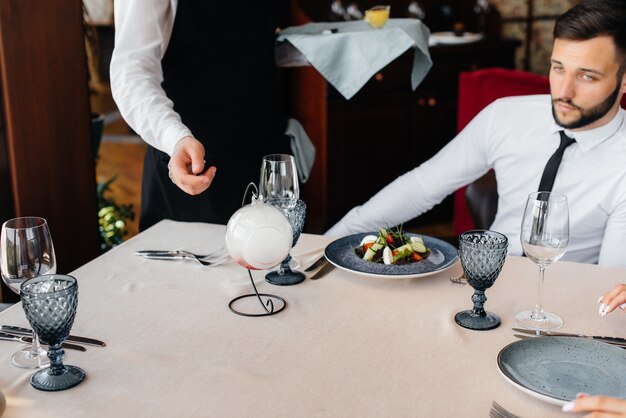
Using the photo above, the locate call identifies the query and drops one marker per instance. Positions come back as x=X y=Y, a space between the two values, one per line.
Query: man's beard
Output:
x=588 y=116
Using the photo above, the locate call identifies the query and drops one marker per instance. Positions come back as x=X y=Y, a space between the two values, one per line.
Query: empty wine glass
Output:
x=279 y=178
x=482 y=256
x=26 y=251
x=296 y=214
x=50 y=304
x=279 y=183
x=544 y=237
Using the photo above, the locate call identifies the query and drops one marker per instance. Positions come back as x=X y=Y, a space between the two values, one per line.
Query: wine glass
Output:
x=279 y=178
x=544 y=237
x=50 y=305
x=279 y=186
x=482 y=256
x=26 y=251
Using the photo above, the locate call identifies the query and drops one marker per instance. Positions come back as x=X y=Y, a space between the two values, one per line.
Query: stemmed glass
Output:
x=544 y=237
x=26 y=251
x=482 y=256
x=279 y=178
x=50 y=305
x=279 y=187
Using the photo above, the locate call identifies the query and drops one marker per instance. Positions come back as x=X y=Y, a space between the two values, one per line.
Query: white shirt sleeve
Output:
x=142 y=32
x=461 y=161
x=614 y=241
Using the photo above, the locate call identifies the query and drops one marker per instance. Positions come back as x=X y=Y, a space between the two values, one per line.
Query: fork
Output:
x=205 y=262
x=197 y=256
x=462 y=280
x=498 y=411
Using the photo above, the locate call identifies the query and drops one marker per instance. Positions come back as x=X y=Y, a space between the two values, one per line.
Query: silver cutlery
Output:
x=462 y=280
x=174 y=253
x=320 y=261
x=532 y=333
x=179 y=255
x=323 y=271
x=29 y=340
x=19 y=331
x=498 y=411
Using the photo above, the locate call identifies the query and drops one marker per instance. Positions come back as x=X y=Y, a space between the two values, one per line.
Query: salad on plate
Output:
x=392 y=247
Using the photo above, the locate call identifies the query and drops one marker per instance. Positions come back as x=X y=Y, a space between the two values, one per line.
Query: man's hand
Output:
x=186 y=162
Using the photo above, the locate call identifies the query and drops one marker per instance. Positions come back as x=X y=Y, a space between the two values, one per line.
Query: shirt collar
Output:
x=587 y=140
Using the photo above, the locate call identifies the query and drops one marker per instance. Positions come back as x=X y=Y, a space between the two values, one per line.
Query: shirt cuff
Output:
x=172 y=135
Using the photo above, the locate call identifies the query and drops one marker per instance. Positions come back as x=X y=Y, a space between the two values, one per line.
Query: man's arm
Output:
x=461 y=161
x=614 y=241
x=142 y=31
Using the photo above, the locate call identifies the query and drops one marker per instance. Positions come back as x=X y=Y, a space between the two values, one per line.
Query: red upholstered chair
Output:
x=477 y=89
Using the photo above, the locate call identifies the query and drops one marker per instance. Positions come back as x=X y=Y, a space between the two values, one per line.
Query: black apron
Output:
x=220 y=73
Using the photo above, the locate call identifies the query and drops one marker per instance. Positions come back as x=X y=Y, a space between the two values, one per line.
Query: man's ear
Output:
x=623 y=83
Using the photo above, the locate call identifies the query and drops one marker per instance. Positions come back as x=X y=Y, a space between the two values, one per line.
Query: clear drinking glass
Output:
x=544 y=237
x=279 y=186
x=279 y=178
x=26 y=251
x=49 y=302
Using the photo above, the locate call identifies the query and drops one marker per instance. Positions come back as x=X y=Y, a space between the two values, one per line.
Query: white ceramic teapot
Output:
x=258 y=236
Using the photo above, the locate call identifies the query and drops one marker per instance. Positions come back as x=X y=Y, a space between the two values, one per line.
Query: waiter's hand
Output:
x=186 y=163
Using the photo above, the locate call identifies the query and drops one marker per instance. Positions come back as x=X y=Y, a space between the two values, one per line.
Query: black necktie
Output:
x=552 y=166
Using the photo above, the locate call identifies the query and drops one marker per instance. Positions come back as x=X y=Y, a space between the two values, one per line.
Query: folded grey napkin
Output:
x=349 y=57
x=302 y=148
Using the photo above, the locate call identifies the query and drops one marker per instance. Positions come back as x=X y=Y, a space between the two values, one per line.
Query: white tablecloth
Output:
x=346 y=345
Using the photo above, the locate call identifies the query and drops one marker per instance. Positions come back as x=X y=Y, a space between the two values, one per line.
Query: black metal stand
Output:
x=268 y=306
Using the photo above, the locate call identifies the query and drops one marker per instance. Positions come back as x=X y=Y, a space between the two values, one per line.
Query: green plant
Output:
x=112 y=218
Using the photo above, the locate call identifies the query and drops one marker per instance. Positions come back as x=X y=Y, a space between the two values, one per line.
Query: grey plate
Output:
x=341 y=254
x=556 y=369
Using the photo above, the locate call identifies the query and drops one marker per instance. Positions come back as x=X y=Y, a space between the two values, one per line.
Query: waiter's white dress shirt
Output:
x=142 y=33
x=516 y=136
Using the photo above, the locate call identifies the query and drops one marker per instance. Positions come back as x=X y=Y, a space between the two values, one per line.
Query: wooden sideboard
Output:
x=384 y=130
x=46 y=157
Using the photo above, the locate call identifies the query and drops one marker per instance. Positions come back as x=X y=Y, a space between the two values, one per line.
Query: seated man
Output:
x=517 y=136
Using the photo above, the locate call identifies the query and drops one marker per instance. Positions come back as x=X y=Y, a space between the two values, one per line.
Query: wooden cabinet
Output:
x=384 y=130
x=46 y=157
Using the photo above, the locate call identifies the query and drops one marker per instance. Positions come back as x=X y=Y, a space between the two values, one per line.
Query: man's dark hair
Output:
x=592 y=18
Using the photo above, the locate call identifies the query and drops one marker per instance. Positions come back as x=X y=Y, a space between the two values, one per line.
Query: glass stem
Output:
x=538 y=312
x=284 y=266
x=479 y=300
x=55 y=354
x=36 y=349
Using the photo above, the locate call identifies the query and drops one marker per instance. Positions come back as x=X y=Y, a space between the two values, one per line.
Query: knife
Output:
x=317 y=263
x=29 y=332
x=29 y=340
x=610 y=340
x=323 y=271
x=160 y=253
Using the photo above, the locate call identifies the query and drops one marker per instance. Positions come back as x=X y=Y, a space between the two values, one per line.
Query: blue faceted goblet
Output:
x=295 y=211
x=50 y=305
x=482 y=256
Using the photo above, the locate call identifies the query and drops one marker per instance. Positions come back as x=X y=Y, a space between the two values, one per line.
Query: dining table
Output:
x=345 y=345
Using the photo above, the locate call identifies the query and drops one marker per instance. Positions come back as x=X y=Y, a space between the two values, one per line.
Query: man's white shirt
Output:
x=516 y=136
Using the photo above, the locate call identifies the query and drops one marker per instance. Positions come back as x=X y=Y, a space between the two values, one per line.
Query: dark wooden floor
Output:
x=121 y=155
